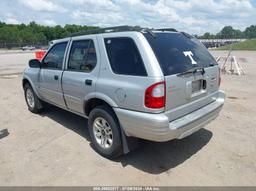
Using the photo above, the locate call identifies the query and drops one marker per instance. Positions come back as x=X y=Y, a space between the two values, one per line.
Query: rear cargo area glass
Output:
x=169 y=48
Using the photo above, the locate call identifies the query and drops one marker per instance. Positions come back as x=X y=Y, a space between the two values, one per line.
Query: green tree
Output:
x=230 y=32
x=208 y=36
x=34 y=33
x=250 y=32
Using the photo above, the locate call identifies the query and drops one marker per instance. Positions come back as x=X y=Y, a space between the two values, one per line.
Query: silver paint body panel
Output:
x=183 y=114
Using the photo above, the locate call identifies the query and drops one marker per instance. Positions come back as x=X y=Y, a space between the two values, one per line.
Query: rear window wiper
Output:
x=192 y=70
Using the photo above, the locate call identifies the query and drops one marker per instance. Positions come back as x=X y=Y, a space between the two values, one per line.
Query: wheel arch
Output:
x=96 y=99
x=90 y=104
x=128 y=143
x=26 y=80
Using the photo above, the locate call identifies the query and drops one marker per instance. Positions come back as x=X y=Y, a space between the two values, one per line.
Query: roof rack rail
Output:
x=123 y=28
x=107 y=30
x=167 y=29
x=187 y=35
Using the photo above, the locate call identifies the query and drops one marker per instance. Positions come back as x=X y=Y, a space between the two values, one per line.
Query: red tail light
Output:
x=155 y=96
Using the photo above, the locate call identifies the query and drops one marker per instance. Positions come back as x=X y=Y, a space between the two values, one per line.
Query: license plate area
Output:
x=198 y=85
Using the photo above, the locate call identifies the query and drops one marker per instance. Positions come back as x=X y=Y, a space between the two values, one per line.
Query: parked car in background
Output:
x=157 y=84
x=28 y=47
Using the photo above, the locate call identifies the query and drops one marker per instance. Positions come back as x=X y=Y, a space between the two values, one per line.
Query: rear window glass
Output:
x=124 y=56
x=177 y=53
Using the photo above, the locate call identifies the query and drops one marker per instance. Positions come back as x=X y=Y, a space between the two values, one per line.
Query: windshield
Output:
x=177 y=53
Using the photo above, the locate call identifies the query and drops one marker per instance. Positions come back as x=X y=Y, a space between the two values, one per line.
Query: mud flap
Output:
x=129 y=143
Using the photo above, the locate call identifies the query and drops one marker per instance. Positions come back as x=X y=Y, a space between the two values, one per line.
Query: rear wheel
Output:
x=105 y=132
x=33 y=102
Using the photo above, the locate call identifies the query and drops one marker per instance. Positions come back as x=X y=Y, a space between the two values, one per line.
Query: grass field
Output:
x=246 y=45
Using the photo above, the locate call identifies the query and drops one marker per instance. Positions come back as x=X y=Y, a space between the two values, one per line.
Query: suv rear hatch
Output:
x=191 y=73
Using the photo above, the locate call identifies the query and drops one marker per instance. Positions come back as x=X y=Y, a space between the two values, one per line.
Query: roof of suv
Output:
x=124 y=28
x=118 y=29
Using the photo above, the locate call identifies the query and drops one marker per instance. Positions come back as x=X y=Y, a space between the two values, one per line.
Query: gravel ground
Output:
x=14 y=63
x=54 y=148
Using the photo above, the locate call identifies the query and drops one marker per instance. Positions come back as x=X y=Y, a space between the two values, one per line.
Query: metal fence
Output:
x=210 y=43
x=21 y=46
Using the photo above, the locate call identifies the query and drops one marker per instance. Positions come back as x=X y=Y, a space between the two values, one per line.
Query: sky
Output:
x=192 y=16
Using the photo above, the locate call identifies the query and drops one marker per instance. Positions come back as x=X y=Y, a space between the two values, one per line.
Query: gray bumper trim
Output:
x=156 y=127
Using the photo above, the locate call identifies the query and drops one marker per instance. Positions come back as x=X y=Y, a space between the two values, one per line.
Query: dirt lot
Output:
x=54 y=149
x=14 y=63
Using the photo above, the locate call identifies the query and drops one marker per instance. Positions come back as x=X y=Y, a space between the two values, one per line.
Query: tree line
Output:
x=35 y=34
x=228 y=32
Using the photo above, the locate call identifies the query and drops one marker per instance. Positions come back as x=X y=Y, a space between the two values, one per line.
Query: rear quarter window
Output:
x=124 y=56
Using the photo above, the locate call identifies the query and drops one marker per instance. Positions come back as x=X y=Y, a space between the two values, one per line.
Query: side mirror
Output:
x=34 y=63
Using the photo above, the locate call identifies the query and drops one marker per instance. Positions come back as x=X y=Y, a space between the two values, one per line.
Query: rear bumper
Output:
x=156 y=127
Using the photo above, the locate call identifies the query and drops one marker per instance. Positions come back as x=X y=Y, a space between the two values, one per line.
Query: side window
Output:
x=54 y=58
x=82 y=56
x=124 y=57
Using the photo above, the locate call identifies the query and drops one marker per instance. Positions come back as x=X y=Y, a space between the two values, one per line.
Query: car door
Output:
x=50 y=88
x=80 y=75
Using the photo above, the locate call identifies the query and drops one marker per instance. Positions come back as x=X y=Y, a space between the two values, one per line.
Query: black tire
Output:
x=38 y=105
x=108 y=114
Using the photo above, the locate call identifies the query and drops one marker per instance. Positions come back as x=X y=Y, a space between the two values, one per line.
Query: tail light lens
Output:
x=155 y=96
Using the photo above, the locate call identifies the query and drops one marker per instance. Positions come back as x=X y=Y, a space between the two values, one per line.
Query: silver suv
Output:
x=130 y=82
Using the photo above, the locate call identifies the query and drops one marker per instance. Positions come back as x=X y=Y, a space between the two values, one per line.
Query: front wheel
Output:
x=33 y=102
x=105 y=132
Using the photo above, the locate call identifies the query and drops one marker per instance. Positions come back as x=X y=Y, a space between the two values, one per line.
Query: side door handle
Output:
x=56 y=77
x=88 y=82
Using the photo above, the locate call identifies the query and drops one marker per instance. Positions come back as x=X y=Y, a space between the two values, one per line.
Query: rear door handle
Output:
x=88 y=82
x=56 y=77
